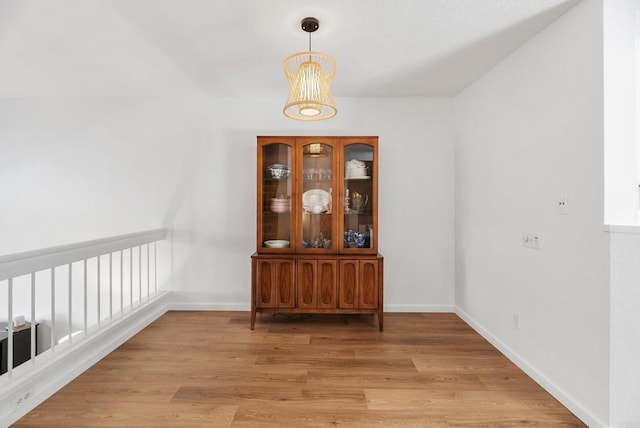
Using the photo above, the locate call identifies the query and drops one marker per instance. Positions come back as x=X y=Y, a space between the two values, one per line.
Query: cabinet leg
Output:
x=253 y=319
x=380 y=320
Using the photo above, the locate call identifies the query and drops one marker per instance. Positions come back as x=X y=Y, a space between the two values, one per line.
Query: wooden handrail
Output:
x=14 y=265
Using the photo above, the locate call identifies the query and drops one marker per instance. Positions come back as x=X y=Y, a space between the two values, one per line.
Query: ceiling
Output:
x=85 y=48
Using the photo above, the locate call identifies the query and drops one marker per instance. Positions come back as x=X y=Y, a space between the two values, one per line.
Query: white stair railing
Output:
x=74 y=291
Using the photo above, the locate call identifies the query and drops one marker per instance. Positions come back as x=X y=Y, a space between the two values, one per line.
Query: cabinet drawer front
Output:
x=265 y=278
x=307 y=284
x=368 y=285
x=285 y=284
x=348 y=284
x=327 y=284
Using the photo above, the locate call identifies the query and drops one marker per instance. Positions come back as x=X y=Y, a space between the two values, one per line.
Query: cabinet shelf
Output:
x=317 y=180
x=271 y=213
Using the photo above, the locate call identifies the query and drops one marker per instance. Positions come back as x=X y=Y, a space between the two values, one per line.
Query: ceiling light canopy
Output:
x=310 y=75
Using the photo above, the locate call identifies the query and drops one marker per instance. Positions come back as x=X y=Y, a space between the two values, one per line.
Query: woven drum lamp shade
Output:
x=310 y=75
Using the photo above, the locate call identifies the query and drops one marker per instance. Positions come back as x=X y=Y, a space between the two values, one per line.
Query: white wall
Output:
x=529 y=131
x=620 y=117
x=620 y=77
x=625 y=334
x=84 y=168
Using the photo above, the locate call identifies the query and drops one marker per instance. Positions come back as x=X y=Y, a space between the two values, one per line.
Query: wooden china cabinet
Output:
x=317 y=225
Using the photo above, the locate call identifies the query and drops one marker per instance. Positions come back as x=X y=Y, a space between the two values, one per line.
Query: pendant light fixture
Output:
x=310 y=75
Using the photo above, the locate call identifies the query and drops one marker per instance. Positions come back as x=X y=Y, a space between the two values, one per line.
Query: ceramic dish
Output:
x=280 y=209
x=277 y=243
x=280 y=205
x=358 y=172
x=315 y=197
x=278 y=171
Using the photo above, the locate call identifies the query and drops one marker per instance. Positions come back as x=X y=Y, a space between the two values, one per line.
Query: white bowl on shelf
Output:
x=280 y=209
x=277 y=243
x=280 y=205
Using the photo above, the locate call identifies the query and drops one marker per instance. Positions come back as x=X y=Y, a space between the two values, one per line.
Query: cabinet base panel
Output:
x=374 y=311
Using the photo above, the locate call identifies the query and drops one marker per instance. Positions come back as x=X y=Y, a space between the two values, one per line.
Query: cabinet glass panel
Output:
x=276 y=195
x=317 y=196
x=358 y=196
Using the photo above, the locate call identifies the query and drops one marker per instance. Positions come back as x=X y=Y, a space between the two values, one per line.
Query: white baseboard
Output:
x=186 y=301
x=198 y=302
x=419 y=308
x=43 y=379
x=557 y=392
x=210 y=306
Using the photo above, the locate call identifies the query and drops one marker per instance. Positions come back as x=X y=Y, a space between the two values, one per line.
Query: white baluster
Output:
x=53 y=309
x=131 y=279
x=85 y=286
x=139 y=274
x=111 y=286
x=10 y=329
x=121 y=282
x=33 y=318
x=148 y=269
x=70 y=304
x=99 y=291
x=155 y=267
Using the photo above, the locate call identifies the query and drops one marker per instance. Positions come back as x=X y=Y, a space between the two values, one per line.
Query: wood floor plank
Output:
x=372 y=379
x=493 y=362
x=325 y=398
x=258 y=417
x=131 y=414
x=209 y=369
x=346 y=363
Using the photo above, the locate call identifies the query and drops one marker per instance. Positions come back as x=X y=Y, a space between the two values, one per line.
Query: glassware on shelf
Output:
x=346 y=201
x=359 y=201
x=319 y=242
x=310 y=173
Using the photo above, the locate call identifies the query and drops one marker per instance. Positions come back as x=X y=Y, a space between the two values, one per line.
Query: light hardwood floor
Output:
x=208 y=369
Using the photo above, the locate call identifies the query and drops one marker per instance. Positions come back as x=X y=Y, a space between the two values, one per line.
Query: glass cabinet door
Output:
x=275 y=190
x=359 y=195
x=317 y=219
